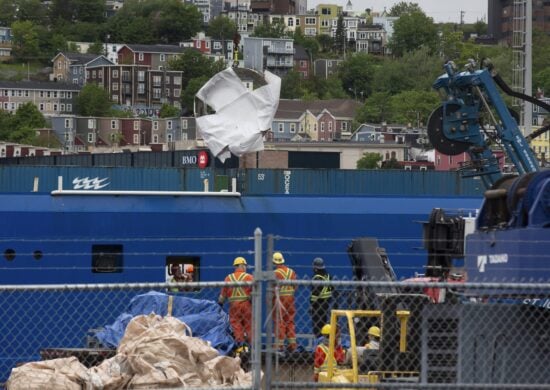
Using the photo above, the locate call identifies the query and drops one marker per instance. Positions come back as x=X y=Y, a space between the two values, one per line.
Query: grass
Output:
x=17 y=72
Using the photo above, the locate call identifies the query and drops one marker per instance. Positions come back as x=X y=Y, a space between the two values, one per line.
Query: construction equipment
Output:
x=397 y=360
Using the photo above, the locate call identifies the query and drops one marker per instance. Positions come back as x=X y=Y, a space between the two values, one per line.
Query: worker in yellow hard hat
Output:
x=320 y=360
x=374 y=338
x=283 y=304
x=240 y=306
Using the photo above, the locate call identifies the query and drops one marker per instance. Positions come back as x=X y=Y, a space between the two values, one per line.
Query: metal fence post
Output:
x=257 y=306
x=269 y=309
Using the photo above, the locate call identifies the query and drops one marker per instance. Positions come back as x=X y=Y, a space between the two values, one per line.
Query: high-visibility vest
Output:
x=326 y=292
x=238 y=293
x=286 y=274
x=324 y=366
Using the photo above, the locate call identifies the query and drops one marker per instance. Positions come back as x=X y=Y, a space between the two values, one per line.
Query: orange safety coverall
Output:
x=285 y=309
x=240 y=307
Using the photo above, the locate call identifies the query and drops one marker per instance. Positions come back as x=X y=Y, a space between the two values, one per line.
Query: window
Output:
x=115 y=86
x=293 y=127
x=155 y=125
x=169 y=137
x=115 y=73
x=68 y=123
x=324 y=23
x=114 y=98
x=141 y=76
x=156 y=93
x=107 y=258
x=66 y=136
x=91 y=137
x=288 y=45
x=217 y=45
x=330 y=126
x=322 y=127
x=140 y=56
x=162 y=57
x=69 y=107
x=125 y=75
x=155 y=138
x=91 y=123
x=100 y=74
x=281 y=128
x=167 y=92
x=75 y=81
x=169 y=125
x=136 y=139
x=176 y=93
x=184 y=124
x=40 y=106
x=156 y=80
x=62 y=107
x=136 y=125
x=310 y=21
x=344 y=126
x=183 y=136
x=114 y=124
x=290 y=22
x=177 y=80
x=141 y=88
x=55 y=107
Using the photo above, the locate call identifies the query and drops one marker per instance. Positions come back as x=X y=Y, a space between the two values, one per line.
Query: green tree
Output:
x=412 y=31
x=21 y=127
x=291 y=85
x=177 y=21
x=369 y=161
x=194 y=65
x=310 y=44
x=25 y=40
x=28 y=116
x=7 y=12
x=340 y=41
x=32 y=11
x=96 y=48
x=89 y=11
x=221 y=27
x=168 y=111
x=333 y=88
x=403 y=8
x=325 y=42
x=357 y=73
x=93 y=101
x=276 y=29
x=413 y=107
x=193 y=86
x=377 y=109
x=451 y=43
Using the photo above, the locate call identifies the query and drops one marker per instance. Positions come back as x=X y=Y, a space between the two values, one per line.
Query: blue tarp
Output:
x=205 y=318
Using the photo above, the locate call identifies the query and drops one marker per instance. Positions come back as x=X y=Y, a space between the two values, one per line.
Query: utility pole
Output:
x=462 y=17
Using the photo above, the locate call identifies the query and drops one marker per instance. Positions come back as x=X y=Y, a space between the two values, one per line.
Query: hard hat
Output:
x=238 y=261
x=278 y=258
x=190 y=268
x=318 y=263
x=325 y=329
x=374 y=331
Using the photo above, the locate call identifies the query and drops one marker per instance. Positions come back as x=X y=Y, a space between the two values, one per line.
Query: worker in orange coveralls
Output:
x=320 y=360
x=283 y=304
x=240 y=306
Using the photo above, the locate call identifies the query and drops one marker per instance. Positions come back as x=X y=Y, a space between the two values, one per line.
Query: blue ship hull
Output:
x=49 y=239
x=62 y=229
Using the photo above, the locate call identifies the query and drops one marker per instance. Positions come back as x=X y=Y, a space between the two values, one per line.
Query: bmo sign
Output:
x=199 y=159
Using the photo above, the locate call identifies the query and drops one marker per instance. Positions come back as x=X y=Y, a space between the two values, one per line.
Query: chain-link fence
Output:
x=322 y=319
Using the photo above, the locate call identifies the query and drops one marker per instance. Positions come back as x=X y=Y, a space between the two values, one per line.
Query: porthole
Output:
x=37 y=255
x=9 y=254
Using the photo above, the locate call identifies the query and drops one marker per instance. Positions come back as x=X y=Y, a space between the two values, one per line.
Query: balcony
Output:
x=280 y=50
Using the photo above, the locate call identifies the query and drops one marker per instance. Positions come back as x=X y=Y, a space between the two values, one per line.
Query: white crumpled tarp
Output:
x=155 y=353
x=242 y=116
